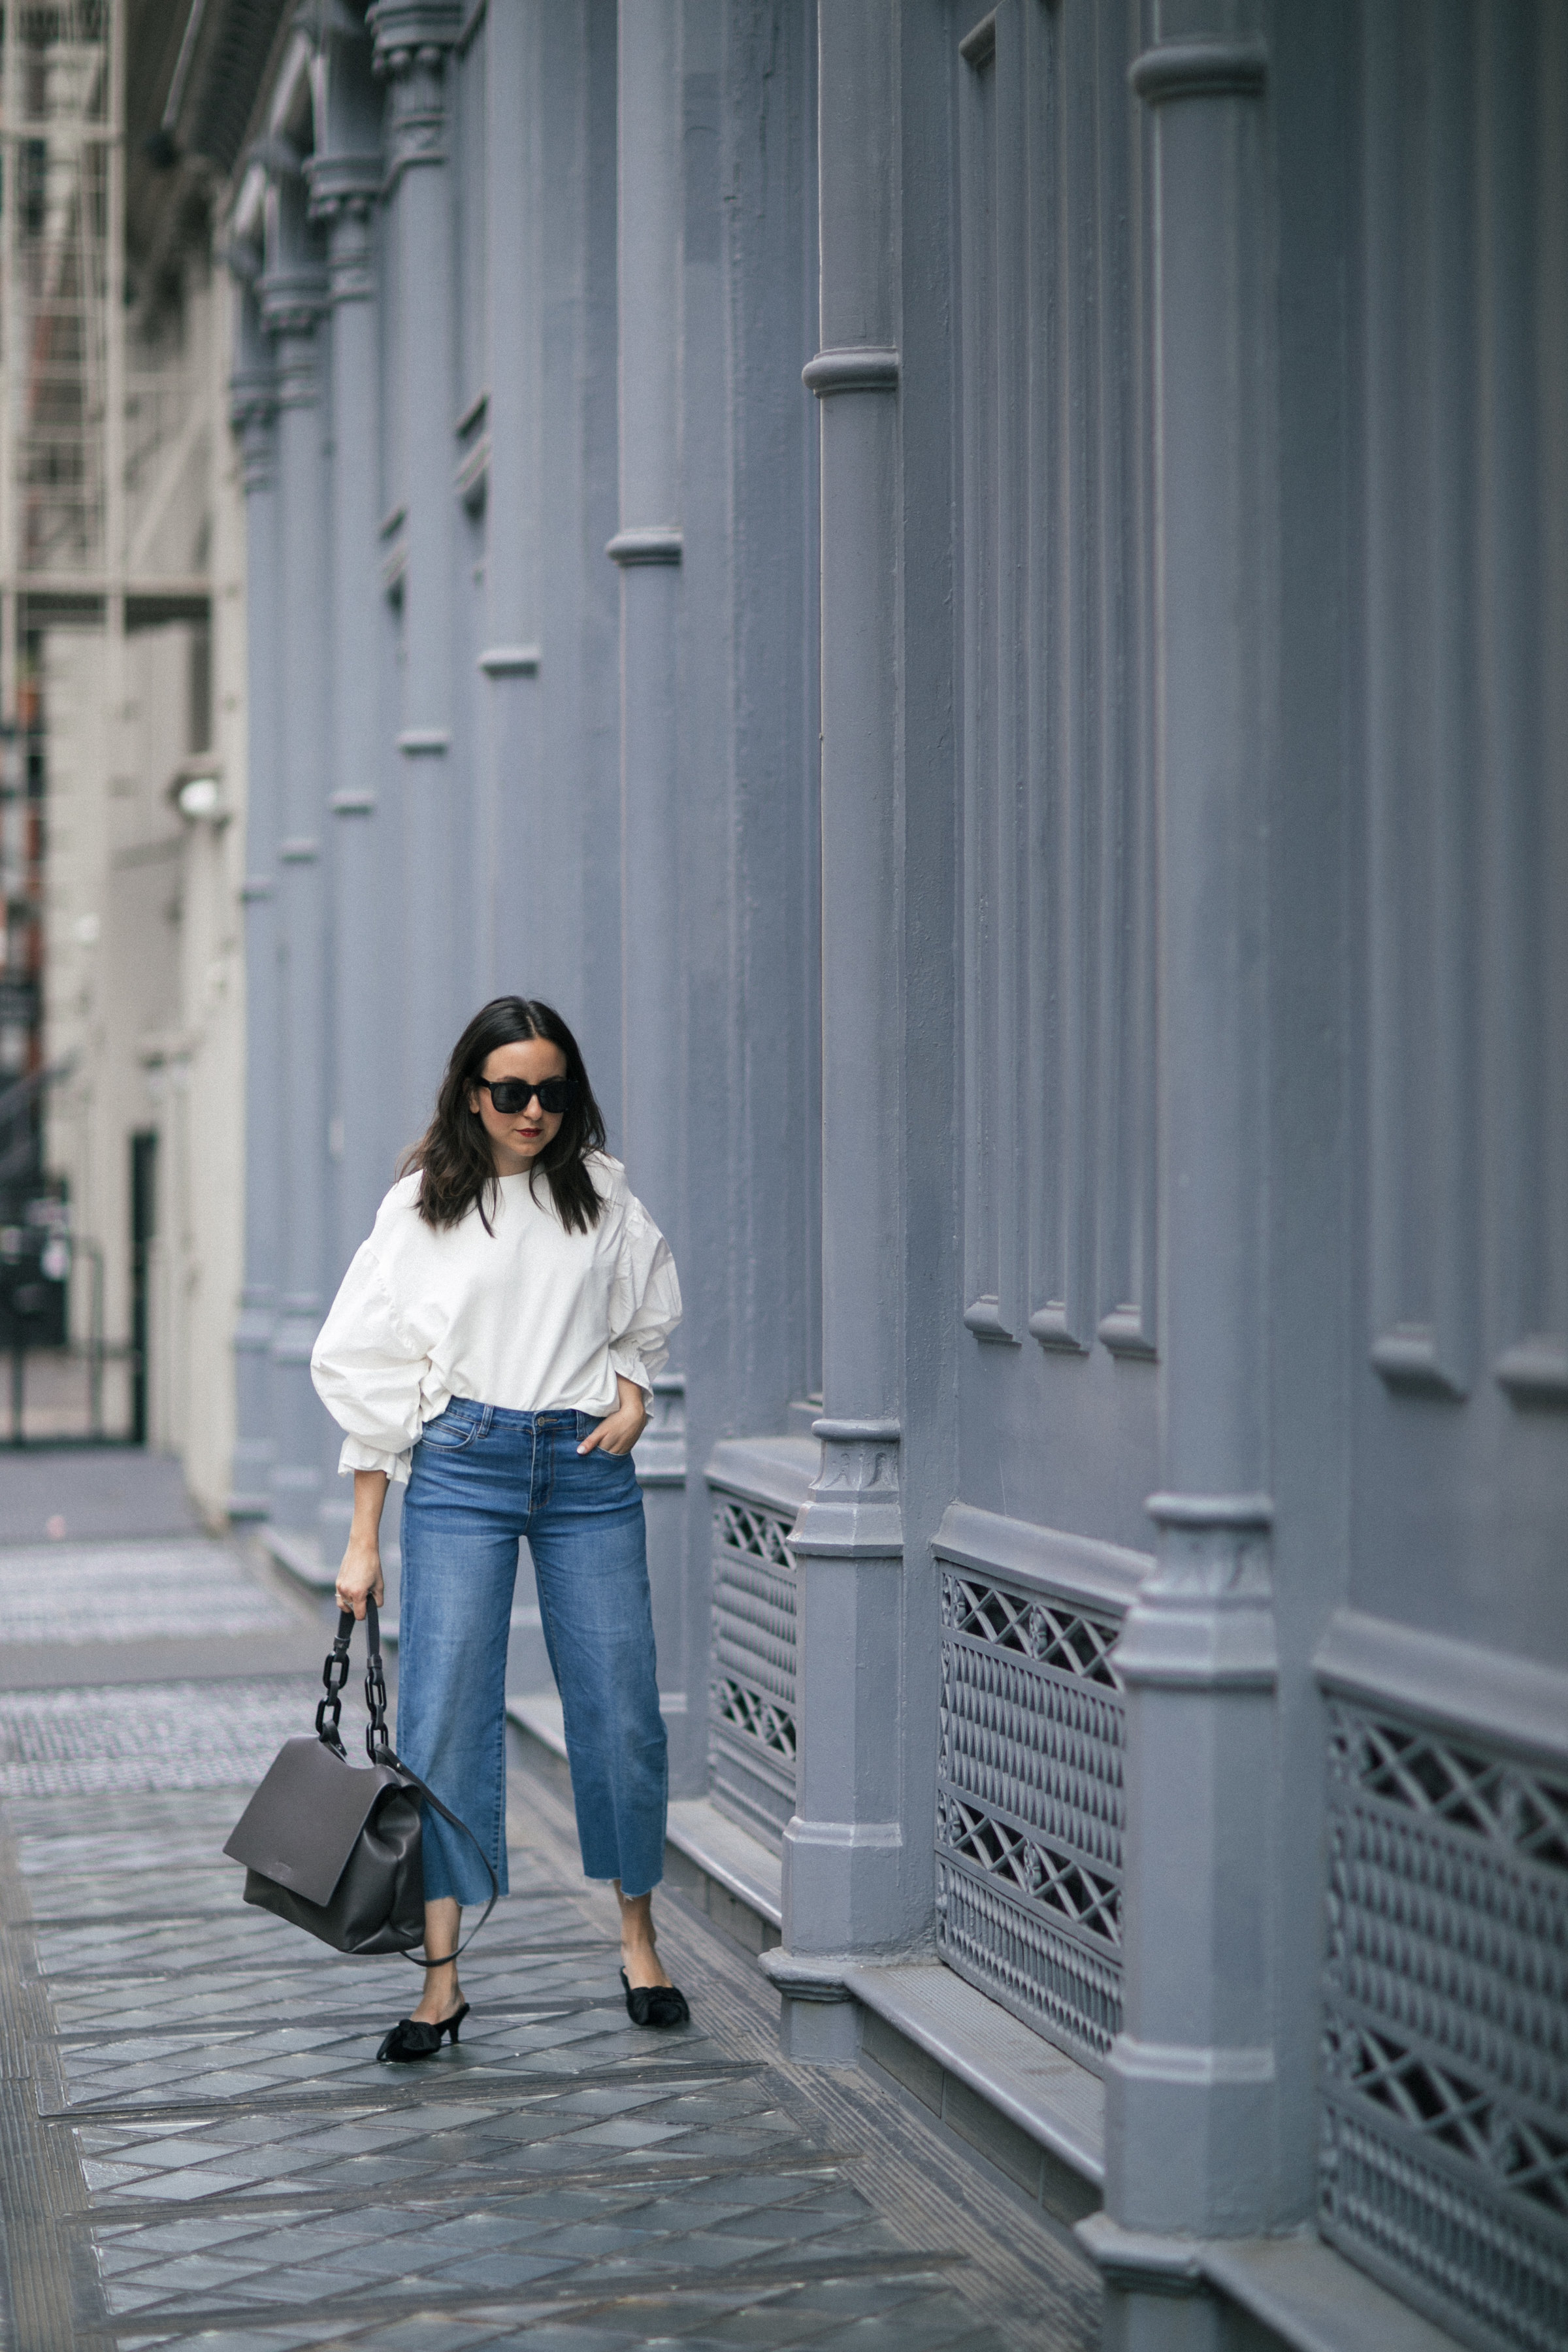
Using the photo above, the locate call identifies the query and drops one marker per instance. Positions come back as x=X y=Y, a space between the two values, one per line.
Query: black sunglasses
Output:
x=515 y=1094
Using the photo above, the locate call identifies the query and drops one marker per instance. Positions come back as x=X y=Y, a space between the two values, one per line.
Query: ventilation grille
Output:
x=751 y=1696
x=1029 y=1808
x=1445 y=2145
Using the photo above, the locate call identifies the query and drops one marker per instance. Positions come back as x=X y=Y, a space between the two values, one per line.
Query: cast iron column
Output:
x=510 y=819
x=648 y=547
x=412 y=41
x=293 y=295
x=843 y=1861
x=1191 y=2121
x=253 y=396
x=345 y=184
x=344 y=176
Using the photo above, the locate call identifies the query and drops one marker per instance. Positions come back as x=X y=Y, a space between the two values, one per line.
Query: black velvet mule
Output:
x=411 y=2040
x=656 y=2004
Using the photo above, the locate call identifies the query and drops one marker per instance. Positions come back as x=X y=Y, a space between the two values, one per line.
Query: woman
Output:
x=494 y=1344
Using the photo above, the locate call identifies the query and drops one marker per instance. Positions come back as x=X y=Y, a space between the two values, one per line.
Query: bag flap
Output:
x=300 y=1827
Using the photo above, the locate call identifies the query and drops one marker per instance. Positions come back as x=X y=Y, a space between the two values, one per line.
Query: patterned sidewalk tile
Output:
x=131 y=1593
x=254 y=2181
x=164 y=1736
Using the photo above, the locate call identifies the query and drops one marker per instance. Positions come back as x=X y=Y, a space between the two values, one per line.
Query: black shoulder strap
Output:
x=389 y=1756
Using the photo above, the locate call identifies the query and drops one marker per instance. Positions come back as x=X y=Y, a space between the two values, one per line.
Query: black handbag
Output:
x=335 y=1849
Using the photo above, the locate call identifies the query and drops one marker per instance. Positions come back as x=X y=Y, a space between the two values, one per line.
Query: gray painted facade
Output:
x=982 y=599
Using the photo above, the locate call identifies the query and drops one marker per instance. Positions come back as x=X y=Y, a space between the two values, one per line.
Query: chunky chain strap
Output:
x=378 y=1746
x=335 y=1675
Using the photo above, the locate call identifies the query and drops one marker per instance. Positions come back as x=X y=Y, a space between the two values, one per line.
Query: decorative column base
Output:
x=1156 y=2298
x=660 y=1460
x=843 y=1849
x=1190 y=2098
x=819 y=2019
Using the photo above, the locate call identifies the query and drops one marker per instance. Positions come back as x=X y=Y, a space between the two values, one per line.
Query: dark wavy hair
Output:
x=453 y=1155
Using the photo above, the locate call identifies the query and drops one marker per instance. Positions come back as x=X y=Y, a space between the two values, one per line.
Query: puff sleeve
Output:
x=645 y=1300
x=370 y=1372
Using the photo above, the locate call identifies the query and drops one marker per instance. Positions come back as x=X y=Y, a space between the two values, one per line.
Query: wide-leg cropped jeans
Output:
x=481 y=1477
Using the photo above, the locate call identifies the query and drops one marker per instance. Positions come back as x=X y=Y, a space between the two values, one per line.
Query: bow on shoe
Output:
x=411 y=2040
x=654 y=2004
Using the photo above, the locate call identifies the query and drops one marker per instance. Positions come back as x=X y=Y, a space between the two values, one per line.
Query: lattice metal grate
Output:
x=1445 y=2152
x=1029 y=1807
x=752 y=1697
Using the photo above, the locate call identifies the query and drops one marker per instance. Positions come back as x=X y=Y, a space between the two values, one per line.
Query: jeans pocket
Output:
x=449 y=1433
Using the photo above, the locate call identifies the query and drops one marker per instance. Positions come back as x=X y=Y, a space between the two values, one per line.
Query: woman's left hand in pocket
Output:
x=619 y=1431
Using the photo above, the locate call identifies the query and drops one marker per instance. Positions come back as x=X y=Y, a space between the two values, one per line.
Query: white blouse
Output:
x=528 y=1316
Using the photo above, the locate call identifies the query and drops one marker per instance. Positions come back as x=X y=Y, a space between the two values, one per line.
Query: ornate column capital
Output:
x=292 y=297
x=412 y=41
x=252 y=414
x=344 y=189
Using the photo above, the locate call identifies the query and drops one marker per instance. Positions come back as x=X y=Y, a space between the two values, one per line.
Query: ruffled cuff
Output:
x=626 y=1362
x=356 y=1456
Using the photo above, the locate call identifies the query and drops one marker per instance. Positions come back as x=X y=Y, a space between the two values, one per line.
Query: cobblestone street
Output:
x=197 y=2146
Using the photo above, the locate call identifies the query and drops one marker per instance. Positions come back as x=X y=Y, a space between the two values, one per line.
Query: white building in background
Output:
x=122 y=564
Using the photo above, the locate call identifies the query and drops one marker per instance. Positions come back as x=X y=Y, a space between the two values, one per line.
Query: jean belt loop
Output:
x=486 y=1417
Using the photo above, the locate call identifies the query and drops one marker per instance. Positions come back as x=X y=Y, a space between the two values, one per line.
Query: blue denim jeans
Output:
x=482 y=1477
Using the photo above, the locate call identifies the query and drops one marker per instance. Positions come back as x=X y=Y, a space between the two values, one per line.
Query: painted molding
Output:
x=1509 y=1702
x=1122 y=1332
x=1051 y=1325
x=853 y=1511
x=778 y=1471
x=424 y=742
x=291 y=300
x=998 y=1170
x=1308 y=2295
x=1204 y=1619
x=983 y=1317
x=304 y=850
x=660 y=1456
x=414 y=24
x=1408 y=1358
x=1535 y=1371
x=412 y=39
x=867 y=367
x=343 y=190
x=1081 y=1568
x=1427 y=828
x=347 y=179
x=352 y=804
x=1136 y=2260
x=995 y=567
x=252 y=397
x=802 y=1976
x=470 y=475
x=647 y=543
x=1204 y=1514
x=352 y=273
x=1175 y=69
x=509 y=661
